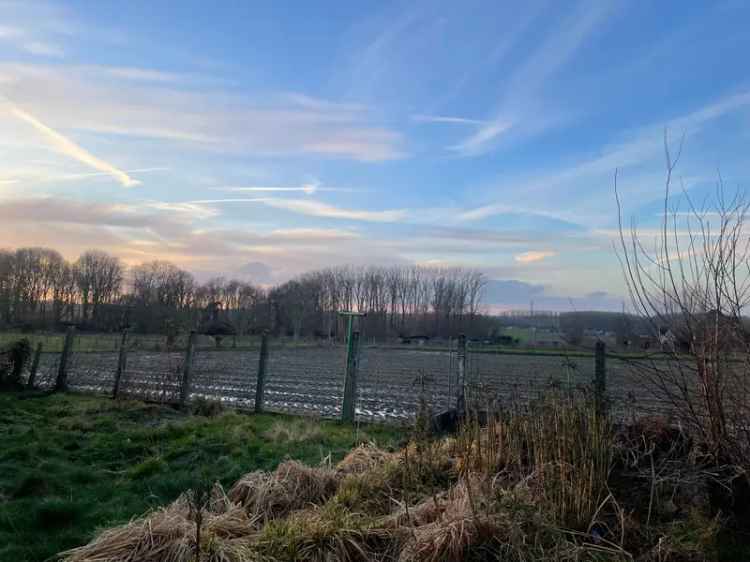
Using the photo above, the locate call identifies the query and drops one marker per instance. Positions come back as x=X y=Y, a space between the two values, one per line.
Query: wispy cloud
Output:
x=142 y=74
x=40 y=48
x=307 y=188
x=486 y=211
x=316 y=209
x=534 y=256
x=40 y=177
x=421 y=118
x=477 y=142
x=301 y=234
x=71 y=149
x=580 y=185
x=523 y=87
x=21 y=39
x=8 y=32
x=144 y=103
x=194 y=210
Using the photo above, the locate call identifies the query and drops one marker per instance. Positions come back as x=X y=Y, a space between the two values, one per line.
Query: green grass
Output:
x=92 y=342
x=89 y=342
x=72 y=464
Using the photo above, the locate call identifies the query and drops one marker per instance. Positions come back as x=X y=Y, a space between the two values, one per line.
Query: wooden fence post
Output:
x=61 y=384
x=261 y=380
x=600 y=375
x=461 y=376
x=348 y=409
x=121 y=363
x=34 y=366
x=187 y=367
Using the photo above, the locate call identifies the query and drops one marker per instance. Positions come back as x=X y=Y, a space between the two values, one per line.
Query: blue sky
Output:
x=296 y=135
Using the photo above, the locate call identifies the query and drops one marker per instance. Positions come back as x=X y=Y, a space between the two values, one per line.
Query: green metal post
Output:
x=348 y=410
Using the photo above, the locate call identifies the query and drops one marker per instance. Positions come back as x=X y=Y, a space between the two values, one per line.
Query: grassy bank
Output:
x=70 y=465
x=555 y=483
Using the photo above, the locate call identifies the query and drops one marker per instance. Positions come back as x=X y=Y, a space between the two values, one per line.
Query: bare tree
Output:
x=99 y=277
x=693 y=288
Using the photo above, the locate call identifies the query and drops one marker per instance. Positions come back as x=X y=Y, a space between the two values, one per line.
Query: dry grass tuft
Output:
x=364 y=458
x=168 y=535
x=422 y=513
x=326 y=534
x=445 y=532
x=292 y=486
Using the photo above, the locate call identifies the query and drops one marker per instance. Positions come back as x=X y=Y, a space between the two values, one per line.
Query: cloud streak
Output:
x=308 y=188
x=43 y=49
x=517 y=109
x=534 y=256
x=584 y=180
x=315 y=209
x=67 y=147
x=53 y=178
x=421 y=118
x=148 y=104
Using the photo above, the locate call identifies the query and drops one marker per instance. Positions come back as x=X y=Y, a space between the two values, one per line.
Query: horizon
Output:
x=273 y=140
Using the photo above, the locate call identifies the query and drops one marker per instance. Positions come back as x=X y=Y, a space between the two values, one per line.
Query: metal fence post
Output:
x=348 y=409
x=61 y=384
x=186 y=368
x=600 y=375
x=261 y=380
x=461 y=376
x=121 y=363
x=34 y=366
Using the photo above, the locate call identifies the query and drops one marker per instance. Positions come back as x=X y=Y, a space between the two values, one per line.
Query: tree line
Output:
x=39 y=289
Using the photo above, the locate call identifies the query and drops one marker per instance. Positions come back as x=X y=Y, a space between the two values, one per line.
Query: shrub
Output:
x=11 y=370
x=207 y=408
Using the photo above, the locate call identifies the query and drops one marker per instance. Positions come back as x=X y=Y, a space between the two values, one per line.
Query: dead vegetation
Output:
x=555 y=483
x=168 y=535
x=291 y=487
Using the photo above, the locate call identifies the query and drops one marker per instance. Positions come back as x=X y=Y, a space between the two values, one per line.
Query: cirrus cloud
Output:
x=69 y=148
x=534 y=256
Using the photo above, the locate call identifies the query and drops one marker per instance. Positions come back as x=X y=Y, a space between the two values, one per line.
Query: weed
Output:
x=293 y=431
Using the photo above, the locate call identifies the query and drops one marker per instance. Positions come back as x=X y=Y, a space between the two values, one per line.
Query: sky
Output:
x=261 y=140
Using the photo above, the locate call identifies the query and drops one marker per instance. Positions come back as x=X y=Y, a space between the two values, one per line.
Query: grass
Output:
x=555 y=482
x=87 y=342
x=71 y=465
x=91 y=342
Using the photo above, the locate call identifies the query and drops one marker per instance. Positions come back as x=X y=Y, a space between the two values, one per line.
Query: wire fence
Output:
x=391 y=382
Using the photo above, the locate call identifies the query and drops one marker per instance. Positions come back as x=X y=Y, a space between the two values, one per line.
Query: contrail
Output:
x=69 y=148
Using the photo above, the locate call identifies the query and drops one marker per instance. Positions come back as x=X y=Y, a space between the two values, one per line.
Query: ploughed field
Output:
x=390 y=381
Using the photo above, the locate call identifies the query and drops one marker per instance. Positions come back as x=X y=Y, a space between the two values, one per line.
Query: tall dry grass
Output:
x=561 y=448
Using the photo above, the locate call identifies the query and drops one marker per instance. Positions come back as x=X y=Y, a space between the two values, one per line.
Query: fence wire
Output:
x=392 y=382
x=306 y=380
